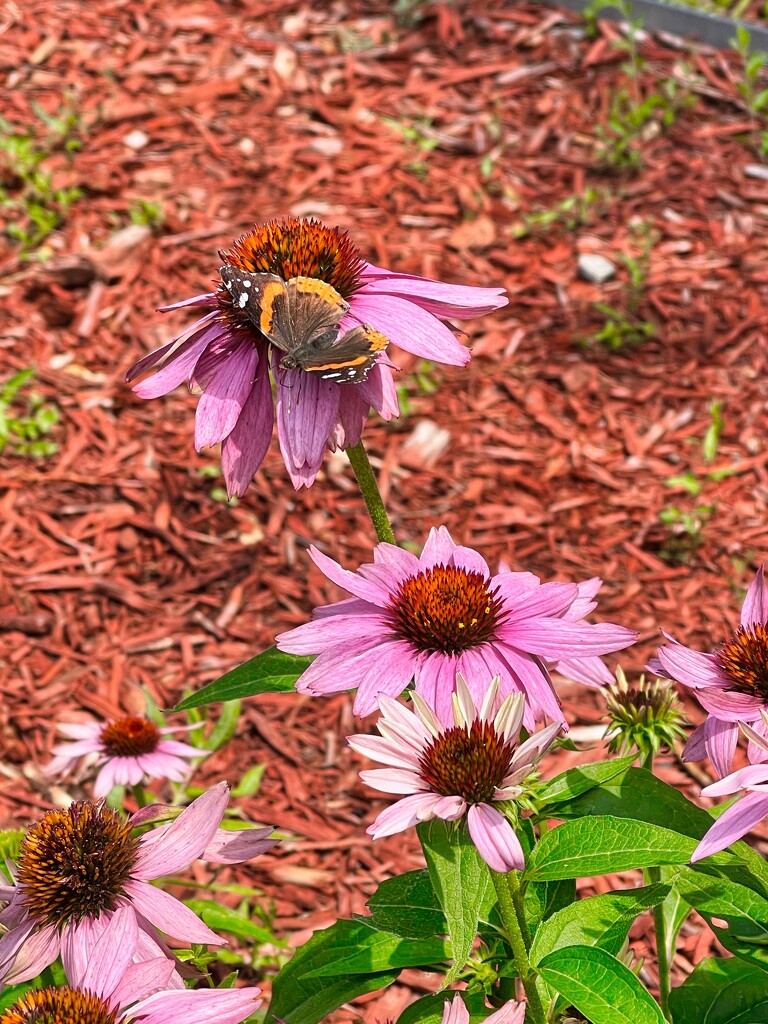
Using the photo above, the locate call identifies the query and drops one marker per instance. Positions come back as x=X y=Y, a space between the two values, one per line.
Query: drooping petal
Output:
x=228 y=847
x=225 y=395
x=198 y=1006
x=589 y=671
x=26 y=951
x=307 y=408
x=244 y=448
x=97 y=961
x=743 y=778
x=180 y=366
x=730 y=705
x=755 y=607
x=567 y=639
x=403 y=814
x=720 y=740
x=454 y=1011
x=394 y=780
x=495 y=839
x=736 y=822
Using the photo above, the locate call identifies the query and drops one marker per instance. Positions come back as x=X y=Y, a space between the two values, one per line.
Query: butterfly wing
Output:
x=264 y=300
x=315 y=309
x=345 y=360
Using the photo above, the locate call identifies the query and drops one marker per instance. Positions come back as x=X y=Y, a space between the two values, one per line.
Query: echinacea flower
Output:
x=225 y=355
x=460 y=770
x=731 y=682
x=455 y=1012
x=77 y=867
x=429 y=617
x=742 y=816
x=129 y=750
x=110 y=983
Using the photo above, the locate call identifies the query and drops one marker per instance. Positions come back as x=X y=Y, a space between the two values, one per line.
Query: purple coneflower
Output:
x=731 y=682
x=110 y=983
x=429 y=617
x=129 y=750
x=742 y=816
x=455 y=1012
x=224 y=355
x=77 y=867
x=457 y=770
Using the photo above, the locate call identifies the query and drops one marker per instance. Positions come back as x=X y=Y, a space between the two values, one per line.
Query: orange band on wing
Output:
x=314 y=368
x=376 y=341
x=267 y=304
x=314 y=286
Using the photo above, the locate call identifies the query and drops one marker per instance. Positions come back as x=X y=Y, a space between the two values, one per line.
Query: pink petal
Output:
x=510 y=1013
x=435 y=681
x=34 y=951
x=455 y=1012
x=97 y=961
x=394 y=780
x=742 y=778
x=388 y=674
x=410 y=327
x=198 y=1006
x=755 y=607
x=243 y=450
x=495 y=839
x=350 y=581
x=561 y=639
x=438 y=549
x=307 y=408
x=206 y=299
x=549 y=599
x=144 y=977
x=515 y=587
x=224 y=397
x=378 y=391
x=589 y=671
x=467 y=558
x=185 y=839
x=736 y=822
x=320 y=634
x=691 y=668
x=169 y=915
x=532 y=678
x=175 y=347
x=730 y=705
x=401 y=815
x=585 y=602
x=720 y=742
x=180 y=365
x=228 y=847
x=444 y=300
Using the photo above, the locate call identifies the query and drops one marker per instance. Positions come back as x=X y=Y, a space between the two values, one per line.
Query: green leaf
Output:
x=721 y=992
x=602 y=921
x=224 y=919
x=250 y=781
x=367 y=950
x=600 y=987
x=226 y=726
x=269 y=672
x=406 y=906
x=461 y=880
x=575 y=781
x=603 y=844
x=543 y=899
x=687 y=481
x=298 y=998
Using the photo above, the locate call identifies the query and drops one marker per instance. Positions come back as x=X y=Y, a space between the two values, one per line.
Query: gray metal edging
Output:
x=712 y=29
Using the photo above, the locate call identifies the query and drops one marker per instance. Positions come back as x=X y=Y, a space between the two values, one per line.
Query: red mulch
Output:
x=121 y=570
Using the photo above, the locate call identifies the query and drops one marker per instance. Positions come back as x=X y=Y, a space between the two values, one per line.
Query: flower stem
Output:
x=512 y=913
x=370 y=489
x=653 y=875
x=140 y=795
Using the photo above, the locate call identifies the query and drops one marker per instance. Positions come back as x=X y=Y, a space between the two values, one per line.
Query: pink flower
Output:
x=455 y=1012
x=224 y=354
x=751 y=808
x=78 y=867
x=457 y=770
x=129 y=750
x=731 y=683
x=109 y=980
x=428 y=618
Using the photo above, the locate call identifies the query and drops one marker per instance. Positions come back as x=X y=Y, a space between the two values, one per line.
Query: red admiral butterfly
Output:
x=301 y=318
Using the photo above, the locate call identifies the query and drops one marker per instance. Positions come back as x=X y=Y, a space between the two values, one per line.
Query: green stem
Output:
x=512 y=913
x=367 y=481
x=652 y=876
x=140 y=795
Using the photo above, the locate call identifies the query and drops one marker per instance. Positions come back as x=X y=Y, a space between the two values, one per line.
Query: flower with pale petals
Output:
x=128 y=751
x=750 y=809
x=426 y=618
x=455 y=1012
x=731 y=682
x=109 y=982
x=225 y=355
x=456 y=771
x=77 y=867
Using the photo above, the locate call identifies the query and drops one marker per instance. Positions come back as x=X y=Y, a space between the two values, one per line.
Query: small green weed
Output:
x=686 y=525
x=25 y=421
x=570 y=213
x=755 y=97
x=34 y=207
x=143 y=211
x=424 y=380
x=623 y=326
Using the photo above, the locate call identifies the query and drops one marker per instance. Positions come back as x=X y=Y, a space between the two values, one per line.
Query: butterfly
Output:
x=301 y=318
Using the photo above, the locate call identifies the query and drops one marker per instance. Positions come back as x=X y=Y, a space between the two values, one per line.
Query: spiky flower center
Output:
x=445 y=609
x=59 y=1006
x=74 y=864
x=467 y=762
x=130 y=736
x=744 y=660
x=294 y=247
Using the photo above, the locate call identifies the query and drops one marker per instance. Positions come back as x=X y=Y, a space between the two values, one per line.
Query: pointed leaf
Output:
x=575 y=781
x=272 y=671
x=406 y=906
x=721 y=992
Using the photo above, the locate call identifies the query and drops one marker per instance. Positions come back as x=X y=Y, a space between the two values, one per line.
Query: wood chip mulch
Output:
x=436 y=137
